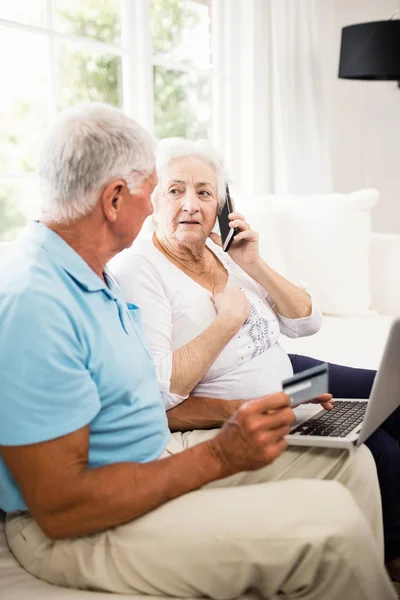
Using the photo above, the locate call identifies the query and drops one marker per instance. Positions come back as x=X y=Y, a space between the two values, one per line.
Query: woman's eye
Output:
x=204 y=192
x=174 y=191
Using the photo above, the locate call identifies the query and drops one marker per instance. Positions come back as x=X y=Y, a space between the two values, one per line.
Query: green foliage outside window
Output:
x=91 y=77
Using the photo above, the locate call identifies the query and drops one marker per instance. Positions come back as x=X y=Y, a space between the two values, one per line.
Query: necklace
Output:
x=208 y=273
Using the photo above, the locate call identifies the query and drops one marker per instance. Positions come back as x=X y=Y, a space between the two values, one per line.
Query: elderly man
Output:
x=82 y=425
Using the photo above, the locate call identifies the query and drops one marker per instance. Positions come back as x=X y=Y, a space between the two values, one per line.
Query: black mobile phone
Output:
x=227 y=233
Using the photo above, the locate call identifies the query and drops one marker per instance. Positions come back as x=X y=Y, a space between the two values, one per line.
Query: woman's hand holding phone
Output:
x=242 y=246
x=245 y=247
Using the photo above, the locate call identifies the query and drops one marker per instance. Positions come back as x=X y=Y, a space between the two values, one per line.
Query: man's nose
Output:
x=190 y=201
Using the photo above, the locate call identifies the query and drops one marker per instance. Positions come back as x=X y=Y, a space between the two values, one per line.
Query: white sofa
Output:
x=355 y=341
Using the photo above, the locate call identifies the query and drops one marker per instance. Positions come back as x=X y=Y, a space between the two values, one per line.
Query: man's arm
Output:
x=68 y=499
x=201 y=413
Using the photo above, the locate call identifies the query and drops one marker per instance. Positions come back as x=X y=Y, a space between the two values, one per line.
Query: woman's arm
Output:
x=191 y=362
x=298 y=315
x=294 y=307
x=197 y=412
x=290 y=300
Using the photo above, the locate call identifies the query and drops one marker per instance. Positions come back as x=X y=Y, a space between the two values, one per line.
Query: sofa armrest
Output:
x=385 y=273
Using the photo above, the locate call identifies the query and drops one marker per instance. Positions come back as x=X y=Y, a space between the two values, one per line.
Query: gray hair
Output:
x=87 y=147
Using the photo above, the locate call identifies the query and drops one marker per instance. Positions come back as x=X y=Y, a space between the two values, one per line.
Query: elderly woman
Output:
x=213 y=319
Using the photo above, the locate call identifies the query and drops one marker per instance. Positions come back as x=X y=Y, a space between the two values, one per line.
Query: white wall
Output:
x=364 y=116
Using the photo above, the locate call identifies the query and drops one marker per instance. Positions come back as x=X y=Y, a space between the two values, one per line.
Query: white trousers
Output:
x=289 y=530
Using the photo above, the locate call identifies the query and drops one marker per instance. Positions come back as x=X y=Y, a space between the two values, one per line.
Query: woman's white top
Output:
x=176 y=309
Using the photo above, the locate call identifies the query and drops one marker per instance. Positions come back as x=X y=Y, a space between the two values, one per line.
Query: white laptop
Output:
x=351 y=422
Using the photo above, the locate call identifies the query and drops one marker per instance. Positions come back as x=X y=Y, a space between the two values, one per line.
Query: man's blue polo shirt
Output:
x=72 y=353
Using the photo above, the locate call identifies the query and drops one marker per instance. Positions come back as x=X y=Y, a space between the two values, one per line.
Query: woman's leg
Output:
x=386 y=453
x=392 y=425
x=347 y=382
x=344 y=382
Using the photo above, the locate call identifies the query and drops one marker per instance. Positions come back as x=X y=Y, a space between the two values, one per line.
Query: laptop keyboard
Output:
x=338 y=422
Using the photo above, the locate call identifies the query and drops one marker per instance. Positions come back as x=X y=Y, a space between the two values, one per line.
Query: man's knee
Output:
x=325 y=511
x=359 y=472
x=361 y=460
x=328 y=543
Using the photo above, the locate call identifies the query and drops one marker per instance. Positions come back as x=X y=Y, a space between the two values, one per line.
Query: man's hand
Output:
x=254 y=436
x=325 y=400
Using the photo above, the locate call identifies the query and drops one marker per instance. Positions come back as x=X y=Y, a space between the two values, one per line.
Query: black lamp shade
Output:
x=370 y=51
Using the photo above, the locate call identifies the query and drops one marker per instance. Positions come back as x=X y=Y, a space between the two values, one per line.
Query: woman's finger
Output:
x=239 y=224
x=248 y=235
x=236 y=215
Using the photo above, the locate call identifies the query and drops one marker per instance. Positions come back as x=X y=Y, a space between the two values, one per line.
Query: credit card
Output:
x=307 y=385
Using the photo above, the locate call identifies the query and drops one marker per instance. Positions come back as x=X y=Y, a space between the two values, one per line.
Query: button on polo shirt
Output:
x=72 y=354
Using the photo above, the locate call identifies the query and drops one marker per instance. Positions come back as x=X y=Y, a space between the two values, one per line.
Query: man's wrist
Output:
x=217 y=465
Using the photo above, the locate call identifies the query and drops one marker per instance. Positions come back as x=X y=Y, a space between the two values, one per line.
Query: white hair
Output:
x=171 y=148
x=87 y=147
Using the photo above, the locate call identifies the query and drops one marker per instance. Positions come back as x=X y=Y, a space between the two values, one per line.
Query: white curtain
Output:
x=268 y=94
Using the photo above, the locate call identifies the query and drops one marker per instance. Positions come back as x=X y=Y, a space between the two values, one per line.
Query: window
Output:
x=151 y=58
x=181 y=68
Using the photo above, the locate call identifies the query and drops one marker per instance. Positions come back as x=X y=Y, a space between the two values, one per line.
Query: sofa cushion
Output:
x=324 y=241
